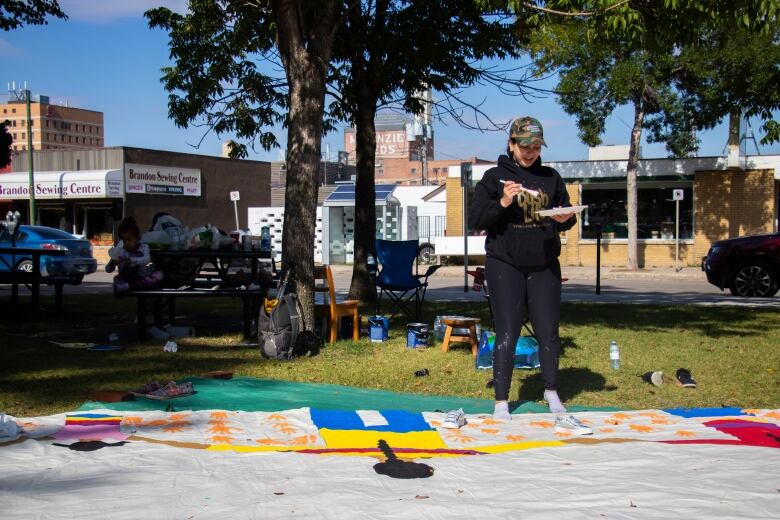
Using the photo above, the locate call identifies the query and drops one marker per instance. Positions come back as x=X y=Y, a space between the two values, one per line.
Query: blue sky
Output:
x=106 y=58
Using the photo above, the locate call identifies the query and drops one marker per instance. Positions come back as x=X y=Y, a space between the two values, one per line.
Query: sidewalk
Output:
x=581 y=273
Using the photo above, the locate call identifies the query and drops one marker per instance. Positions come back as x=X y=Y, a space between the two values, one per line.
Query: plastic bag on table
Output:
x=157 y=239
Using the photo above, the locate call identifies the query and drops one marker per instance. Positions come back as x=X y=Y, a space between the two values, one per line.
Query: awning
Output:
x=82 y=184
x=344 y=195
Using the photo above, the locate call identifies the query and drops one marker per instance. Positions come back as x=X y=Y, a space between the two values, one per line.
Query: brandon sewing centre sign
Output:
x=164 y=180
x=63 y=185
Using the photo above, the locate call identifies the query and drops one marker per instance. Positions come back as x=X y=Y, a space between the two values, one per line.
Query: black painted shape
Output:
x=89 y=445
x=395 y=468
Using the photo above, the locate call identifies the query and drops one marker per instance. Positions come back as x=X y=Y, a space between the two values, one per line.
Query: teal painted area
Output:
x=268 y=395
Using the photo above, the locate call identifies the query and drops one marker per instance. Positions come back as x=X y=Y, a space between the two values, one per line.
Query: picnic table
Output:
x=32 y=279
x=217 y=263
x=211 y=280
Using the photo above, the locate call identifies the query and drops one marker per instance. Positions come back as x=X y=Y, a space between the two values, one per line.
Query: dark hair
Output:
x=128 y=225
x=509 y=150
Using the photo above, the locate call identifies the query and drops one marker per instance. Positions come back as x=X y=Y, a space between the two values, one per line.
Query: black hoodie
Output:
x=516 y=234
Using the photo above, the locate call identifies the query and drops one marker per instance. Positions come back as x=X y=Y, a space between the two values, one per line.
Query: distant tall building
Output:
x=398 y=145
x=54 y=127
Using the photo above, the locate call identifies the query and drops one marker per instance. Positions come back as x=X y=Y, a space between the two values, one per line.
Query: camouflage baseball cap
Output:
x=527 y=131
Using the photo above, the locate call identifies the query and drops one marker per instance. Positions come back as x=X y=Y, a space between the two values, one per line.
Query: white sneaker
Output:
x=454 y=419
x=571 y=425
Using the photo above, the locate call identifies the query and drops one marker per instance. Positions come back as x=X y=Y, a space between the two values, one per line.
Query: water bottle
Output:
x=265 y=239
x=438 y=331
x=614 y=355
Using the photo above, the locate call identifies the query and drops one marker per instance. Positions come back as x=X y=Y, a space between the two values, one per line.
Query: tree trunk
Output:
x=305 y=40
x=362 y=287
x=631 y=186
x=734 y=140
x=366 y=75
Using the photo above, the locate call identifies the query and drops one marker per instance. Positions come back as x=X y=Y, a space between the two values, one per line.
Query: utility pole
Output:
x=425 y=154
x=30 y=169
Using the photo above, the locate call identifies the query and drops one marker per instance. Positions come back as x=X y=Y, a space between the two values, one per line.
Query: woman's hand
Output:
x=511 y=189
x=562 y=218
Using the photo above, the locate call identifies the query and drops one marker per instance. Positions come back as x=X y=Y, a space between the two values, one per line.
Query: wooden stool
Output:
x=460 y=323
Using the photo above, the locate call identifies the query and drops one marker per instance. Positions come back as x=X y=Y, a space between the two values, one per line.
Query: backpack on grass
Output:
x=280 y=329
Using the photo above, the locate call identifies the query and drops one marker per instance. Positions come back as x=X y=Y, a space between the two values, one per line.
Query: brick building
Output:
x=403 y=157
x=54 y=127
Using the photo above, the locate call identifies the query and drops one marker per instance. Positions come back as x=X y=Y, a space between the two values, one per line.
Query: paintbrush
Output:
x=532 y=192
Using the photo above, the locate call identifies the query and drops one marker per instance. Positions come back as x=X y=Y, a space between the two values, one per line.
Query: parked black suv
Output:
x=748 y=266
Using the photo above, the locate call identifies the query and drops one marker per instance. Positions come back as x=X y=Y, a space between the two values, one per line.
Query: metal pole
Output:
x=235 y=210
x=677 y=235
x=598 y=259
x=30 y=169
x=425 y=155
x=465 y=242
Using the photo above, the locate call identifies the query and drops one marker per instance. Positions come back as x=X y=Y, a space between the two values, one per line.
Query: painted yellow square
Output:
x=370 y=438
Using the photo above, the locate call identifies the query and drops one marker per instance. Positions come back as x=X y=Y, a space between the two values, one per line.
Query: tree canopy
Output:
x=16 y=13
x=681 y=65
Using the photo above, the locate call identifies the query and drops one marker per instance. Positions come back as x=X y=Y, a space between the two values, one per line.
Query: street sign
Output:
x=234 y=196
x=677 y=195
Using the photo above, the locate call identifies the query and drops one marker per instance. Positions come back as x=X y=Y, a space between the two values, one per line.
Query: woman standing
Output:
x=521 y=267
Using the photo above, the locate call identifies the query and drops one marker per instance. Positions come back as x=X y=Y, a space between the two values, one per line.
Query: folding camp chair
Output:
x=399 y=278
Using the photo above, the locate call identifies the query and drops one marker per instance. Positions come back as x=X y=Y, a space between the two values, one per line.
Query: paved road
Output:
x=661 y=286
x=652 y=286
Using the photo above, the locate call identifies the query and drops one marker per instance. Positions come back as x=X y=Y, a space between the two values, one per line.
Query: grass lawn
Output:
x=733 y=353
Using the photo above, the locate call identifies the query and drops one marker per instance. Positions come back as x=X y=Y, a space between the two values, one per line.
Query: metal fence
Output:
x=428 y=227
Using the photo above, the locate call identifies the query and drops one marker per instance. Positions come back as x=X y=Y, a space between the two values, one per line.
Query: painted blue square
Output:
x=398 y=421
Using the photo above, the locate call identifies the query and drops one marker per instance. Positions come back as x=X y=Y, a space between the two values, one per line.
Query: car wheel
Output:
x=25 y=265
x=754 y=278
x=426 y=254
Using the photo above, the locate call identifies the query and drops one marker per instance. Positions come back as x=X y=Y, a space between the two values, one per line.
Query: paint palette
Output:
x=74 y=345
x=561 y=211
x=163 y=397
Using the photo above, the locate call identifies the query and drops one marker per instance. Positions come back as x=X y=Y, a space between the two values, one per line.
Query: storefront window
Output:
x=655 y=212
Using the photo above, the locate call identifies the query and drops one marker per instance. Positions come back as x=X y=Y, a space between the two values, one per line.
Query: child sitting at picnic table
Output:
x=133 y=260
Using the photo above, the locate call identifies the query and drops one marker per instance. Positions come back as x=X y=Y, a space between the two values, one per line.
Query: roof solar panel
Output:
x=346 y=193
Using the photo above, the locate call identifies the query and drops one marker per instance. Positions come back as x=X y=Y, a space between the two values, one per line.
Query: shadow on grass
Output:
x=571 y=381
x=713 y=322
x=567 y=342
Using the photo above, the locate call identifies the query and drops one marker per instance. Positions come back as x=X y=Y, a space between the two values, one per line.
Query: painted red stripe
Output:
x=395 y=450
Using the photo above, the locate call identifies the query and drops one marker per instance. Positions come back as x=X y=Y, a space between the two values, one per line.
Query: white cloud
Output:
x=6 y=49
x=104 y=11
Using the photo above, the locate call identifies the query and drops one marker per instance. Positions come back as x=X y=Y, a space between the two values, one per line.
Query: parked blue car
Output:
x=77 y=262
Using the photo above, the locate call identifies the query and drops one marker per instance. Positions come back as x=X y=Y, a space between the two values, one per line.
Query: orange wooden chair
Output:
x=332 y=311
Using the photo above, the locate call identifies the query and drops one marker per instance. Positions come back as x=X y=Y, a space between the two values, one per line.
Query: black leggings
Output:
x=515 y=295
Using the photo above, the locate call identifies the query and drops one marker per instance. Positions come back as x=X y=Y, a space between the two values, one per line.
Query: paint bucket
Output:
x=416 y=335
x=378 y=327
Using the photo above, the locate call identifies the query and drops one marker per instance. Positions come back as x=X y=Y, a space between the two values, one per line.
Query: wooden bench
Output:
x=162 y=298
